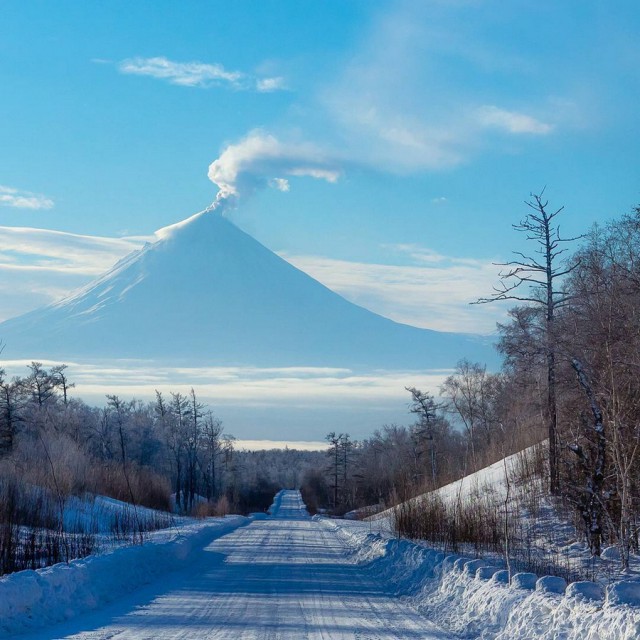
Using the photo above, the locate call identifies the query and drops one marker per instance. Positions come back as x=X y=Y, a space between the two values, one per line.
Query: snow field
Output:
x=472 y=599
x=31 y=599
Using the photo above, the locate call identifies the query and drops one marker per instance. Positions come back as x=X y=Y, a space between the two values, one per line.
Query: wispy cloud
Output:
x=512 y=121
x=198 y=74
x=29 y=248
x=39 y=266
x=426 y=91
x=10 y=197
x=267 y=85
x=434 y=292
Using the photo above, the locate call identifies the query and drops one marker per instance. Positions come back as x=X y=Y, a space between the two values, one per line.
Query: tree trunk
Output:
x=592 y=503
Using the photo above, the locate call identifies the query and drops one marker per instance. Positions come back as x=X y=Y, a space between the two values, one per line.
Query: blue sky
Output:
x=436 y=117
x=383 y=147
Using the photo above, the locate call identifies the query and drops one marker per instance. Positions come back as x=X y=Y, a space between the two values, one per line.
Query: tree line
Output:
x=455 y=433
x=171 y=453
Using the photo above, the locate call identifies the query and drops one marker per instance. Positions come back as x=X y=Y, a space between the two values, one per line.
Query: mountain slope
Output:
x=208 y=293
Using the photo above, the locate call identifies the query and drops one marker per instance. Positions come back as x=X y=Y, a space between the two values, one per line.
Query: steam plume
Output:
x=261 y=160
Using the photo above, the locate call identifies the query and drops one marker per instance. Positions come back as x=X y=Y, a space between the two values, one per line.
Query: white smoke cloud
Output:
x=260 y=160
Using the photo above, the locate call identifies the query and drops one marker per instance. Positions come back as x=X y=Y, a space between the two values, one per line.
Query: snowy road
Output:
x=285 y=577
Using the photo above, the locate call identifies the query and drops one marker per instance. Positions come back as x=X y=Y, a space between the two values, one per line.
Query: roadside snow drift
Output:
x=472 y=599
x=31 y=599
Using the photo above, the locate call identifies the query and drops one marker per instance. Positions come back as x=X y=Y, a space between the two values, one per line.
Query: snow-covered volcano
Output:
x=207 y=293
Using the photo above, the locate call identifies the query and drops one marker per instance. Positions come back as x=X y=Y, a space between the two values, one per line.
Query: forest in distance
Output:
x=571 y=350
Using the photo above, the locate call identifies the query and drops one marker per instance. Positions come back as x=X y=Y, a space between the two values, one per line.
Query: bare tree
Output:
x=41 y=384
x=121 y=410
x=9 y=411
x=176 y=442
x=196 y=410
x=591 y=502
x=212 y=448
x=535 y=279
x=60 y=380
x=346 y=454
x=470 y=394
x=334 y=441
x=603 y=328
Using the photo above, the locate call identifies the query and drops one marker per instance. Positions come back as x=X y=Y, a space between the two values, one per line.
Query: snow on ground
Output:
x=286 y=576
x=31 y=599
x=291 y=576
x=99 y=514
x=547 y=536
x=490 y=480
x=469 y=598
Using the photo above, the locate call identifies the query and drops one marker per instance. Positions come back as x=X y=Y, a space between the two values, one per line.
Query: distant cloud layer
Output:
x=10 y=197
x=261 y=402
x=198 y=74
x=246 y=386
x=433 y=292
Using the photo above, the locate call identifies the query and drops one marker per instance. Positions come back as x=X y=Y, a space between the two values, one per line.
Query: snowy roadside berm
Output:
x=31 y=599
x=470 y=598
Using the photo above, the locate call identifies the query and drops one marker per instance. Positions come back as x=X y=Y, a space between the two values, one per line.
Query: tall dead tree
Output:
x=535 y=279
x=333 y=453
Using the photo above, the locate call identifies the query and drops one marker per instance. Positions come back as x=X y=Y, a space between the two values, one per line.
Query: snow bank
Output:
x=29 y=599
x=624 y=592
x=471 y=599
x=99 y=514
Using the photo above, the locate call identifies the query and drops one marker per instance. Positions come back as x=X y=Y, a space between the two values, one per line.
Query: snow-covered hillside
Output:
x=207 y=293
x=543 y=533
